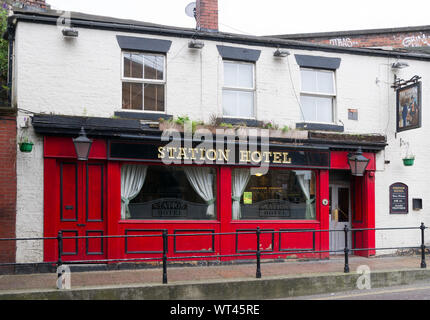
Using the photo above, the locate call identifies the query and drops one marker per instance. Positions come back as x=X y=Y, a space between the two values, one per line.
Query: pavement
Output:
x=232 y=281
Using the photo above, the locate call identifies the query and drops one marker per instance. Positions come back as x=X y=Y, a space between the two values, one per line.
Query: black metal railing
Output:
x=258 y=253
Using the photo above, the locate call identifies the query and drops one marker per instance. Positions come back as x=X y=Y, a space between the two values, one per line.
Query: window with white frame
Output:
x=143 y=82
x=318 y=94
x=238 y=90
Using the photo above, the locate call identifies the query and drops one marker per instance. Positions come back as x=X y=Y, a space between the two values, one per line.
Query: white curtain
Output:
x=202 y=180
x=304 y=179
x=240 y=178
x=132 y=179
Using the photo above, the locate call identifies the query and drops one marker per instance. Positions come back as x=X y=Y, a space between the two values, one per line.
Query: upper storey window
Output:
x=318 y=95
x=238 y=89
x=143 y=81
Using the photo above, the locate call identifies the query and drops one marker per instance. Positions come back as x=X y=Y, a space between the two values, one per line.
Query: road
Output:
x=418 y=291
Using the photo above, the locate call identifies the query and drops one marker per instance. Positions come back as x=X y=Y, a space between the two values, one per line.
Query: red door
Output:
x=82 y=209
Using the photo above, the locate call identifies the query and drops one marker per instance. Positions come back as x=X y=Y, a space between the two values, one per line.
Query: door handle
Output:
x=81 y=224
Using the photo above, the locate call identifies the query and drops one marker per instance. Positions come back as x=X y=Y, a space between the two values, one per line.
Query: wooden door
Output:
x=82 y=210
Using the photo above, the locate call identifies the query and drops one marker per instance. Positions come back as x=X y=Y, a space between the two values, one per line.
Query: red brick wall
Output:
x=207 y=15
x=8 y=149
x=36 y=3
x=395 y=40
x=30 y=3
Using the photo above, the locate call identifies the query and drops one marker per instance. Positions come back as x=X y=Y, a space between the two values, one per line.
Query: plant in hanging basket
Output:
x=408 y=160
x=25 y=145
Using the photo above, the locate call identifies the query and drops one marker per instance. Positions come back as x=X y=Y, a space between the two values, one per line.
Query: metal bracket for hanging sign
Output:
x=399 y=83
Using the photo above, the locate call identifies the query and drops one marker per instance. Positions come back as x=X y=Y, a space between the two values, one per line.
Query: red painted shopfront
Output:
x=84 y=198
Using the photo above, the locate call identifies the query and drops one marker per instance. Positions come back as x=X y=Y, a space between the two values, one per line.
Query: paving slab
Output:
x=196 y=274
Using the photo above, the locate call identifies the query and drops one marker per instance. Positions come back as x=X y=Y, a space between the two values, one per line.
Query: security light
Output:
x=194 y=44
x=281 y=53
x=70 y=32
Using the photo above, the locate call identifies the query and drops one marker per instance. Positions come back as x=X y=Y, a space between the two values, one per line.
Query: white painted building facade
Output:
x=81 y=76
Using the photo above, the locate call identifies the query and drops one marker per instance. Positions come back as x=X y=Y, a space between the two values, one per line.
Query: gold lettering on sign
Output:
x=182 y=154
x=266 y=156
x=286 y=159
x=223 y=154
x=277 y=157
x=213 y=154
x=244 y=156
x=256 y=156
x=193 y=153
x=161 y=154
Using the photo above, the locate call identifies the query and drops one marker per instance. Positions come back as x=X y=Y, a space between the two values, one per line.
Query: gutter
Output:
x=216 y=36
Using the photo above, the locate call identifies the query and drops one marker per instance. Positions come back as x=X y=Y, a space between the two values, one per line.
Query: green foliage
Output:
x=4 y=46
x=285 y=129
x=270 y=125
x=226 y=125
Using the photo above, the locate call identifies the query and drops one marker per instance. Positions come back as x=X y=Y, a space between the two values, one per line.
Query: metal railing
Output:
x=258 y=253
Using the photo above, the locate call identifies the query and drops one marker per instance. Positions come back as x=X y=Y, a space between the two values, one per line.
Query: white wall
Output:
x=82 y=77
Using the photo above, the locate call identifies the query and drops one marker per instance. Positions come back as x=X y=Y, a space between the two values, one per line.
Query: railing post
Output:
x=165 y=256
x=423 y=247
x=346 y=250
x=258 y=273
x=60 y=247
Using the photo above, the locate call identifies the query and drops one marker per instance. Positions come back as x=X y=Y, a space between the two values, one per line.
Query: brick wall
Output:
x=7 y=183
x=400 y=39
x=29 y=4
x=207 y=15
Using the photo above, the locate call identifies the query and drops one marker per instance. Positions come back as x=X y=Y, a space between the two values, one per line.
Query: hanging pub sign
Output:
x=408 y=107
x=399 y=198
x=219 y=154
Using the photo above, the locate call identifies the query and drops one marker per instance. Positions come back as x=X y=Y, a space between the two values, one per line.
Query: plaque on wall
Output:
x=398 y=198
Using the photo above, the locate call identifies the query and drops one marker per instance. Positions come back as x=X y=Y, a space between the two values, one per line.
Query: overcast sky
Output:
x=265 y=17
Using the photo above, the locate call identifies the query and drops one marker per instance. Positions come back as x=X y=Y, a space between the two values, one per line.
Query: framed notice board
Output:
x=399 y=198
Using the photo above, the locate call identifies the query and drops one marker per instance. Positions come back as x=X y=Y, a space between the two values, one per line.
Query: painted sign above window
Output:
x=273 y=155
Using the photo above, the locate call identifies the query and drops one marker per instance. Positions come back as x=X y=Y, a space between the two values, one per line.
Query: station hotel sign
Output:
x=236 y=154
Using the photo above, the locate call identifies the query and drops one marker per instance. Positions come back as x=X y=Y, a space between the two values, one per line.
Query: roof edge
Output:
x=122 y=25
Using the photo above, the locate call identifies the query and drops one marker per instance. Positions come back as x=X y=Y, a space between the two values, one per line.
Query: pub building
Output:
x=134 y=182
x=117 y=87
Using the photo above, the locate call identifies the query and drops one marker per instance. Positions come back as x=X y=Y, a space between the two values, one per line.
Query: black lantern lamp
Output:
x=358 y=163
x=82 y=145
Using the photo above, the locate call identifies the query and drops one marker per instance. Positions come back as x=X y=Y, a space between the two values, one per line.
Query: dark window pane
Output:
x=132 y=96
x=167 y=193
x=279 y=195
x=154 y=67
x=133 y=65
x=154 y=97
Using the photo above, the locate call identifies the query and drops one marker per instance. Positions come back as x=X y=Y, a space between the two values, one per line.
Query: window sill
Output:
x=141 y=221
x=235 y=121
x=319 y=126
x=274 y=221
x=142 y=115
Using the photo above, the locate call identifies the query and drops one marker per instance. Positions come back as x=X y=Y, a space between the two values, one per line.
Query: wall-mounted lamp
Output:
x=70 y=33
x=399 y=65
x=82 y=145
x=281 y=53
x=194 y=44
x=358 y=163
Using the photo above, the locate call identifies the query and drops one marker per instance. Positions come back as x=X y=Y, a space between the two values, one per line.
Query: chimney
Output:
x=207 y=15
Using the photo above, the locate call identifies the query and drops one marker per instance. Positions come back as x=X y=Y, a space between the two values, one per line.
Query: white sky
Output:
x=265 y=17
